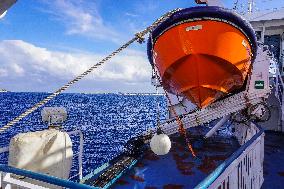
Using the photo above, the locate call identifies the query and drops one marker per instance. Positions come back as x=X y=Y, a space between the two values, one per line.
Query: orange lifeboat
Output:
x=203 y=53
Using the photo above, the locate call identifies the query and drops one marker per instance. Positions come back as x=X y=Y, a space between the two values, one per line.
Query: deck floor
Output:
x=178 y=169
x=273 y=160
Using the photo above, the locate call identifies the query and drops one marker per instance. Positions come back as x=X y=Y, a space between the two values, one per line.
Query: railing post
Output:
x=282 y=108
x=81 y=156
x=1 y=181
x=8 y=186
x=6 y=177
x=281 y=99
x=277 y=84
x=233 y=181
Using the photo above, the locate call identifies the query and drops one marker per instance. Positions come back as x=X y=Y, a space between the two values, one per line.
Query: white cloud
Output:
x=82 y=17
x=22 y=61
x=3 y=72
x=17 y=69
x=131 y=14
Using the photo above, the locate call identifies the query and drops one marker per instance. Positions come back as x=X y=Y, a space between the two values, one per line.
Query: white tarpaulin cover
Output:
x=48 y=151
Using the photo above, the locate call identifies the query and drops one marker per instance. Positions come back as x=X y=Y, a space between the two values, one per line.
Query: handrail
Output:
x=221 y=168
x=279 y=82
x=44 y=178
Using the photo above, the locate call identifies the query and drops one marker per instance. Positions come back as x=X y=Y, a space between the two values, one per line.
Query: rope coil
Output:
x=138 y=37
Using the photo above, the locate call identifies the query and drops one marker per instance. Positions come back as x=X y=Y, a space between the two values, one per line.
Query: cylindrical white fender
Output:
x=48 y=151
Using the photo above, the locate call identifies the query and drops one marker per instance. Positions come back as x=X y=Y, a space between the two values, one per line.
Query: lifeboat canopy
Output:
x=203 y=53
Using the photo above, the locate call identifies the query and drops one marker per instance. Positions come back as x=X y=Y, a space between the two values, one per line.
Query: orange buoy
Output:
x=203 y=53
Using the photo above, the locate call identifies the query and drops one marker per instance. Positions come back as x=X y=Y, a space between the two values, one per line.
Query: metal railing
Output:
x=6 y=181
x=243 y=169
x=278 y=83
x=279 y=90
x=79 y=154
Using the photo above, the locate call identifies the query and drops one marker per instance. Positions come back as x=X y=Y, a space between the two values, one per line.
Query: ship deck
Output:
x=179 y=169
x=273 y=160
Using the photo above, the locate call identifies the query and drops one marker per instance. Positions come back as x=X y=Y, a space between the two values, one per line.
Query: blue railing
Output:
x=44 y=178
x=221 y=168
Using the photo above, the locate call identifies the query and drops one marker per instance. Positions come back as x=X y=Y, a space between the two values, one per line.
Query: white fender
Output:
x=160 y=144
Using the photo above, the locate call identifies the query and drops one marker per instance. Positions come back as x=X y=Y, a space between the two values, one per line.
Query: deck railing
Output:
x=279 y=90
x=278 y=83
x=244 y=169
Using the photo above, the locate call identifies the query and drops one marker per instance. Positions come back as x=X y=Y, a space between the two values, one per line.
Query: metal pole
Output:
x=282 y=111
x=250 y=4
x=262 y=34
x=6 y=179
x=282 y=96
x=277 y=84
x=81 y=149
x=80 y=156
x=217 y=126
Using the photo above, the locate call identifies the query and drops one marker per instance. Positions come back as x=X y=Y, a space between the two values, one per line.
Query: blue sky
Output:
x=45 y=43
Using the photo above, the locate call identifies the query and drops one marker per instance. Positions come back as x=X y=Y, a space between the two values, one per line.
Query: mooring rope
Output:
x=138 y=37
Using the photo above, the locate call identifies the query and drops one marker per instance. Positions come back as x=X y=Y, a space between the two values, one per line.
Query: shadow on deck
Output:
x=179 y=169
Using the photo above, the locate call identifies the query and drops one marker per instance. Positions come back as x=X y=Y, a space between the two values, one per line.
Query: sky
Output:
x=46 y=43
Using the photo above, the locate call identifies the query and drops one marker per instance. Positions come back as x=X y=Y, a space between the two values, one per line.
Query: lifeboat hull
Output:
x=202 y=58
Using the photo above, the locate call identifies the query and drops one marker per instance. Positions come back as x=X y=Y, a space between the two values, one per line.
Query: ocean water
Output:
x=106 y=120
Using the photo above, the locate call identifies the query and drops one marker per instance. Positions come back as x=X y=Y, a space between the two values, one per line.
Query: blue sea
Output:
x=106 y=120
